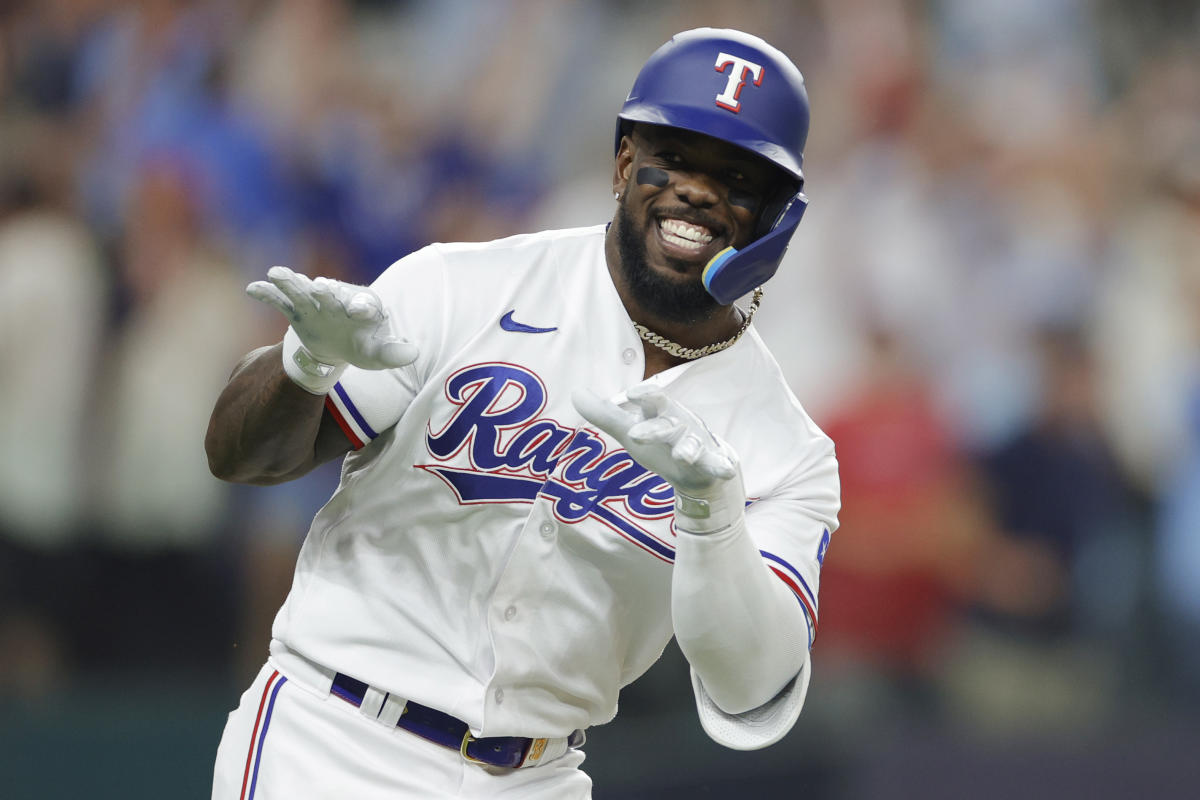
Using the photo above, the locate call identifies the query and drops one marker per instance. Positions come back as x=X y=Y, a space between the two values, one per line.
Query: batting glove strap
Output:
x=714 y=509
x=310 y=374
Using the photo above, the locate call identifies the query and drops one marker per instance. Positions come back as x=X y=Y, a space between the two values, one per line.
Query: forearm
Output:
x=742 y=630
x=738 y=625
x=264 y=428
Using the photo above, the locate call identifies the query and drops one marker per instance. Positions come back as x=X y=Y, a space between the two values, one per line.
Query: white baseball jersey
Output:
x=488 y=554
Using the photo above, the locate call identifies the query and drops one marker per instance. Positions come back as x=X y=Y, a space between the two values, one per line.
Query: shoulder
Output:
x=521 y=247
x=483 y=265
x=769 y=370
x=786 y=455
x=768 y=412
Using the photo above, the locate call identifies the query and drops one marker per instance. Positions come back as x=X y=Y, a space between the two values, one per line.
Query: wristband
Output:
x=310 y=374
x=712 y=510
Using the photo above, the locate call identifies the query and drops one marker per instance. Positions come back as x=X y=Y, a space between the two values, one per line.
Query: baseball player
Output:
x=561 y=450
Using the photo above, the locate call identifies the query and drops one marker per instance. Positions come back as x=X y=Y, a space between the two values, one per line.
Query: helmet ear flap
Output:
x=775 y=206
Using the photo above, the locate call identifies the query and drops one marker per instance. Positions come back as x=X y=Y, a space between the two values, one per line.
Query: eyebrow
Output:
x=734 y=158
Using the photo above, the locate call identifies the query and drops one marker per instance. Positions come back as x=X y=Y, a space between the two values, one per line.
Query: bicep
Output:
x=331 y=442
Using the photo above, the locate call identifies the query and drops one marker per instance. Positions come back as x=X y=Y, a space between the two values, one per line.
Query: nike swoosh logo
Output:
x=509 y=324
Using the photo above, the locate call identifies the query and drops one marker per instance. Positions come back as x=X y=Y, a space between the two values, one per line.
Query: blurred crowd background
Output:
x=992 y=305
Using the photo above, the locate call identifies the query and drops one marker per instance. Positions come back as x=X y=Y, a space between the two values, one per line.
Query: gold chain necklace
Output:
x=690 y=353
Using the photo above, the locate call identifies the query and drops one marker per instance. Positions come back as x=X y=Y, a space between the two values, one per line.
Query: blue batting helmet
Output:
x=737 y=88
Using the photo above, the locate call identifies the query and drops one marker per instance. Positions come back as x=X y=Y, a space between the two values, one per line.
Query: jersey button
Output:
x=499 y=695
x=547 y=530
x=628 y=355
x=510 y=612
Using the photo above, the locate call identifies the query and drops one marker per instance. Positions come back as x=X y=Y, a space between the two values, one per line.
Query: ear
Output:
x=623 y=166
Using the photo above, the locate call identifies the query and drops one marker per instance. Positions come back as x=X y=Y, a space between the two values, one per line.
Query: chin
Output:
x=673 y=291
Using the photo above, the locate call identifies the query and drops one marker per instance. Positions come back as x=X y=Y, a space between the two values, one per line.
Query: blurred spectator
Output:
x=1178 y=546
x=1148 y=336
x=53 y=298
x=1178 y=566
x=1144 y=320
x=175 y=348
x=1057 y=592
x=1058 y=492
x=894 y=581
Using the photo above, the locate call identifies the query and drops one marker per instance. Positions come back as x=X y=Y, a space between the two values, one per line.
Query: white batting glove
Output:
x=668 y=439
x=334 y=324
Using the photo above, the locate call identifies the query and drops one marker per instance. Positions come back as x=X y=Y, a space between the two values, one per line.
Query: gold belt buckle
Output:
x=462 y=750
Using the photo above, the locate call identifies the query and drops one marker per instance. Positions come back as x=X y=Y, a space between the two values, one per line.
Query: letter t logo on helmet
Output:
x=742 y=70
x=736 y=88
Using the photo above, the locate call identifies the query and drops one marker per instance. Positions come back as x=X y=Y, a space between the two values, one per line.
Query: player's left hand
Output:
x=338 y=323
x=663 y=436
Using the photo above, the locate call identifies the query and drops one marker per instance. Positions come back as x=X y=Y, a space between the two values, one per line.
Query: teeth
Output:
x=684 y=234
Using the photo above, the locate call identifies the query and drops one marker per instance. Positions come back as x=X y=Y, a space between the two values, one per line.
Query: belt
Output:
x=441 y=728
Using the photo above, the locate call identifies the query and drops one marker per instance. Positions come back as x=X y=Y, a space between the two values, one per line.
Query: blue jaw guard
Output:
x=733 y=273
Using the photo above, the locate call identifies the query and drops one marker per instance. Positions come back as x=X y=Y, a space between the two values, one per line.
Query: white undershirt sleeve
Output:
x=738 y=625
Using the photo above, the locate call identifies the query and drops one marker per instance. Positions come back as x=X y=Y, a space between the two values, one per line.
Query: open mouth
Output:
x=683 y=238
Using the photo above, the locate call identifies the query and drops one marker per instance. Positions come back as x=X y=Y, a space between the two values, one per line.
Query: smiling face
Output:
x=684 y=197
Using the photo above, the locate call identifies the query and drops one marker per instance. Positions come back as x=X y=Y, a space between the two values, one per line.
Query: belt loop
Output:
x=393 y=708
x=537 y=749
x=372 y=703
x=543 y=751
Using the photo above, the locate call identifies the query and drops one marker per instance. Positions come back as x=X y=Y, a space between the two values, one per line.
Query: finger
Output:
x=655 y=430
x=604 y=414
x=649 y=398
x=396 y=353
x=363 y=306
x=716 y=464
x=297 y=287
x=688 y=450
x=269 y=293
x=325 y=293
x=643 y=389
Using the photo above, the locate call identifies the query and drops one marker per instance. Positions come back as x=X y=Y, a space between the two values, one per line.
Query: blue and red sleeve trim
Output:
x=795 y=581
x=348 y=417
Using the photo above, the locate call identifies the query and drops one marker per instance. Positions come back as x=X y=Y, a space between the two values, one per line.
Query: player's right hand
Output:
x=662 y=435
x=670 y=440
x=338 y=323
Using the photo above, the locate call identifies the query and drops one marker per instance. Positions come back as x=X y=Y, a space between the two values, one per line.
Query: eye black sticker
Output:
x=746 y=200
x=653 y=176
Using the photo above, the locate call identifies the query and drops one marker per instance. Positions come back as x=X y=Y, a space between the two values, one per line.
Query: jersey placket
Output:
x=514 y=610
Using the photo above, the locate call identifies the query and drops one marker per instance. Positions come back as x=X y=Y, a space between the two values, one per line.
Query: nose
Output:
x=697 y=189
